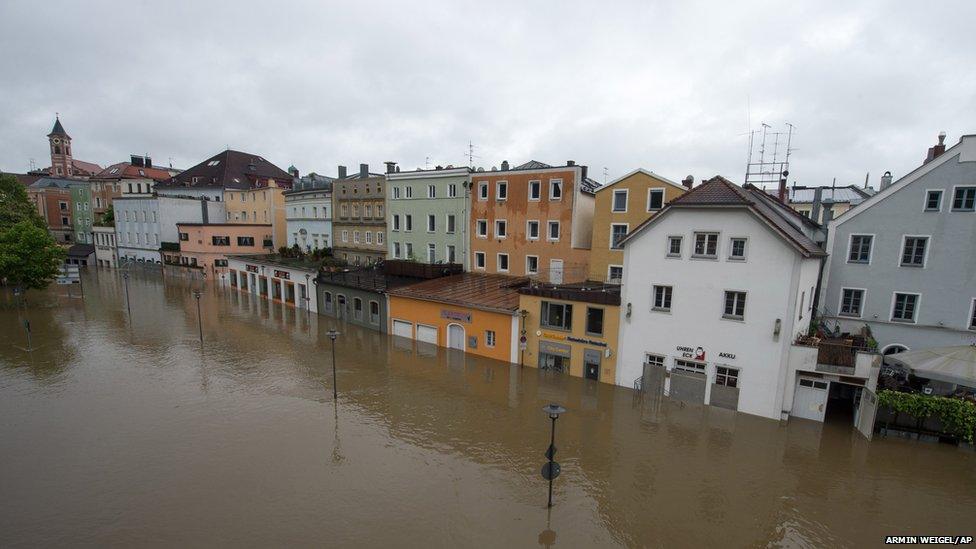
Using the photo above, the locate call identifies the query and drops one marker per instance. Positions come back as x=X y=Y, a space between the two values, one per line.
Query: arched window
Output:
x=357 y=305
x=328 y=302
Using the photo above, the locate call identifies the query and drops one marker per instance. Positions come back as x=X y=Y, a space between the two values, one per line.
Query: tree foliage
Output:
x=107 y=219
x=29 y=256
x=958 y=416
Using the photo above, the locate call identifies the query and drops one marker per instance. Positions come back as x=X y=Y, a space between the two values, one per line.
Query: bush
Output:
x=958 y=416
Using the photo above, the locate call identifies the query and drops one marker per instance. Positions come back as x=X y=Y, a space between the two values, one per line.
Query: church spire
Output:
x=58 y=128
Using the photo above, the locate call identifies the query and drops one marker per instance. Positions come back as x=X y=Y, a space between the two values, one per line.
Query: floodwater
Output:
x=118 y=433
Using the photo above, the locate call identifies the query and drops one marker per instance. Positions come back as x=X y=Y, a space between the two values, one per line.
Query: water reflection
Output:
x=131 y=433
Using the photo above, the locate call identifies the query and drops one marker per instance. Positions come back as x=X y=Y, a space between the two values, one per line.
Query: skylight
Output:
x=213 y=162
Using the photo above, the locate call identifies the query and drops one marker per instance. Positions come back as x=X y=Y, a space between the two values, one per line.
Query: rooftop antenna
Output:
x=427 y=163
x=605 y=175
x=768 y=160
x=471 y=155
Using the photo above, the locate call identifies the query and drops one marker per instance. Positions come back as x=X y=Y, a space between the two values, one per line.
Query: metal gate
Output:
x=688 y=381
x=867 y=410
x=810 y=399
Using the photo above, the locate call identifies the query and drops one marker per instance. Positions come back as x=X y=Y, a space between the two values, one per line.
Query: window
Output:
x=620 y=201
x=483 y=190
x=357 y=307
x=706 y=245
x=489 y=338
x=532 y=230
x=972 y=316
x=535 y=190
x=904 y=307
x=553 y=230
x=408 y=191
x=501 y=228
x=344 y=210
x=245 y=241
x=431 y=253
x=963 y=199
x=355 y=237
x=345 y=236
x=482 y=228
x=216 y=240
x=451 y=256
x=452 y=190
x=186 y=236
x=655 y=199
x=431 y=223
x=374 y=312
x=355 y=210
x=662 y=298
x=379 y=211
x=479 y=260
x=64 y=221
x=860 y=250
x=396 y=193
x=503 y=262
x=594 y=321
x=396 y=250
x=725 y=376
x=850 y=302
x=431 y=191
x=379 y=238
x=531 y=264
x=913 y=251
x=737 y=249
x=557 y=315
x=409 y=250
x=369 y=237
x=396 y=222
x=555 y=189
x=735 y=305
x=933 y=200
x=450 y=224
x=501 y=190
x=617 y=233
x=368 y=210
x=615 y=274
x=674 y=246
x=220 y=262
x=408 y=222
x=654 y=360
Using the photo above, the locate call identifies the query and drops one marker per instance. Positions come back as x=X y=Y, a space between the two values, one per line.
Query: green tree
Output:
x=29 y=257
x=107 y=219
x=15 y=206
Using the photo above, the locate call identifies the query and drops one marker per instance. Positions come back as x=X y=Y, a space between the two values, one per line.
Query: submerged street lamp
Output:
x=197 y=294
x=128 y=306
x=551 y=469
x=333 y=335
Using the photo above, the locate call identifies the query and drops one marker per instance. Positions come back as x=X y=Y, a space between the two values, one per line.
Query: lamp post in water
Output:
x=333 y=335
x=128 y=306
x=197 y=294
x=551 y=469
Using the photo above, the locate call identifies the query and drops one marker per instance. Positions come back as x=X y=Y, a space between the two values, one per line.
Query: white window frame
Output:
x=652 y=191
x=610 y=278
x=447 y=223
x=396 y=250
x=499 y=185
x=431 y=191
x=477 y=226
x=452 y=190
x=431 y=252
x=408 y=223
x=538 y=183
x=745 y=249
x=484 y=260
x=531 y=271
x=925 y=257
x=483 y=191
x=498 y=262
x=734 y=317
x=669 y=289
x=396 y=222
x=840 y=302
x=408 y=191
x=953 y=200
x=431 y=223
x=528 y=231
x=345 y=236
x=613 y=200
x=505 y=223
x=925 y=200
x=626 y=226
x=450 y=250
x=891 y=309
x=562 y=190
x=491 y=339
x=559 y=230
x=706 y=255
x=396 y=193
x=850 y=245
x=681 y=246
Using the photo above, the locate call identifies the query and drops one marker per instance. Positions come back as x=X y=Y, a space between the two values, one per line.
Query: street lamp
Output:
x=128 y=306
x=523 y=342
x=551 y=469
x=333 y=335
x=197 y=294
x=308 y=310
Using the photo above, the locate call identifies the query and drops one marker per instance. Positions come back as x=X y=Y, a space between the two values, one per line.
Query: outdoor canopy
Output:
x=950 y=364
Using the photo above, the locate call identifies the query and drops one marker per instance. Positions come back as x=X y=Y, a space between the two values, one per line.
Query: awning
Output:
x=950 y=364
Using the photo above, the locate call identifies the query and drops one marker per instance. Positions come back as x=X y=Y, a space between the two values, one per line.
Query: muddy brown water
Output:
x=129 y=434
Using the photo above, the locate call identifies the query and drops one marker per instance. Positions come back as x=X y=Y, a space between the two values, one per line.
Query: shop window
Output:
x=727 y=377
x=594 y=321
x=557 y=315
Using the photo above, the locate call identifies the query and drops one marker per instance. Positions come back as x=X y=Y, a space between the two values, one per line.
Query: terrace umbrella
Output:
x=950 y=364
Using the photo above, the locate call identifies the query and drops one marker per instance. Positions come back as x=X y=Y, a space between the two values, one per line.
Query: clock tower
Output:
x=60 y=142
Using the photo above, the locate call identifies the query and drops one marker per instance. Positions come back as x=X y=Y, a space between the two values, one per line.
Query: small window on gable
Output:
x=655 y=199
x=933 y=200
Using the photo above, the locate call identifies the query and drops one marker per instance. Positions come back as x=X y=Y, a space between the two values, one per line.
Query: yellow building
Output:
x=621 y=206
x=264 y=203
x=571 y=329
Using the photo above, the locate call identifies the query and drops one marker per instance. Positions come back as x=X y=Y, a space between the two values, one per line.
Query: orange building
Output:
x=533 y=220
x=470 y=312
x=205 y=246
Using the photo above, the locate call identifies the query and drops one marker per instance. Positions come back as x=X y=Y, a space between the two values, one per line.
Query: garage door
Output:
x=403 y=329
x=688 y=381
x=427 y=334
x=810 y=399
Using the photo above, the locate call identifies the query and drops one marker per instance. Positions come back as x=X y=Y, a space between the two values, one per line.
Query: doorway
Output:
x=591 y=364
x=341 y=306
x=556 y=271
x=842 y=400
x=810 y=399
x=455 y=336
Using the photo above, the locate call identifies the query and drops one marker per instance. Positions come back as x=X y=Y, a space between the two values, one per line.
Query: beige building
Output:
x=359 y=216
x=264 y=203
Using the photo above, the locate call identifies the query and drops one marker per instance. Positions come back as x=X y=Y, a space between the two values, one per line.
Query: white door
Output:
x=810 y=399
x=556 y=271
x=427 y=334
x=455 y=336
x=403 y=329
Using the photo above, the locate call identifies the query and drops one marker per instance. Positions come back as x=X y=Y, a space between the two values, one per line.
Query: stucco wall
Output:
x=348 y=314
x=429 y=313
x=420 y=206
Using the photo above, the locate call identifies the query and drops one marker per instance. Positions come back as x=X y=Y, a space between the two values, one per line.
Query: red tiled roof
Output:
x=125 y=170
x=492 y=292
x=89 y=167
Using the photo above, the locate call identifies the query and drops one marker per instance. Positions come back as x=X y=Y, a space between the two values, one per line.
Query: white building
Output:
x=273 y=280
x=175 y=209
x=137 y=187
x=105 y=246
x=308 y=211
x=137 y=229
x=716 y=288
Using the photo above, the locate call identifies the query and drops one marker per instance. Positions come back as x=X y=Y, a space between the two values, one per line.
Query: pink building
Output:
x=205 y=246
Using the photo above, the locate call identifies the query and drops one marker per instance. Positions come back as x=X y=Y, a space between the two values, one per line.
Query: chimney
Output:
x=781 y=192
x=204 y=213
x=885 y=181
x=828 y=212
x=148 y=162
x=936 y=151
x=390 y=167
x=688 y=181
x=342 y=172
x=504 y=165
x=363 y=171
x=815 y=209
x=135 y=160
x=583 y=175
x=570 y=162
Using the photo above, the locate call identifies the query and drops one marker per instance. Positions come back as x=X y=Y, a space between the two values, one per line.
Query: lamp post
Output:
x=551 y=469
x=333 y=335
x=523 y=341
x=128 y=306
x=197 y=294
x=308 y=303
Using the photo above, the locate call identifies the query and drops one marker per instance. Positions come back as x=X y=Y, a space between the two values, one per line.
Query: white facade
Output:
x=215 y=194
x=273 y=281
x=137 y=187
x=105 y=246
x=137 y=229
x=185 y=209
x=776 y=279
x=309 y=217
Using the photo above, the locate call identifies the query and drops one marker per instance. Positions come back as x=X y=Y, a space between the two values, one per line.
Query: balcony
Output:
x=848 y=356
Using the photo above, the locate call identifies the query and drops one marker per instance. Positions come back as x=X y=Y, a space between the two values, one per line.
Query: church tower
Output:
x=60 y=142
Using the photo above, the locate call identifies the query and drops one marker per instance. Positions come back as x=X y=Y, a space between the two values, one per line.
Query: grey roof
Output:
x=532 y=165
x=47 y=182
x=81 y=250
x=848 y=193
x=58 y=129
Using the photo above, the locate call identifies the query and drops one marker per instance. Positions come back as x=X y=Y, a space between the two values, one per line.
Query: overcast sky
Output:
x=671 y=87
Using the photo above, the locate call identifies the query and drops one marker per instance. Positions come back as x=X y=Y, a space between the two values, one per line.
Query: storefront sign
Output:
x=730 y=356
x=586 y=341
x=698 y=353
x=550 y=335
x=251 y=268
x=456 y=315
x=556 y=349
x=282 y=274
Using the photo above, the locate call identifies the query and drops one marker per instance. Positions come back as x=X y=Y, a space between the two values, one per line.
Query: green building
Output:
x=81 y=200
x=427 y=215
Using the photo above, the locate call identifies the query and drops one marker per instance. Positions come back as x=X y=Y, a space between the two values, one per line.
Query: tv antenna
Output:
x=605 y=172
x=427 y=162
x=471 y=156
x=768 y=160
